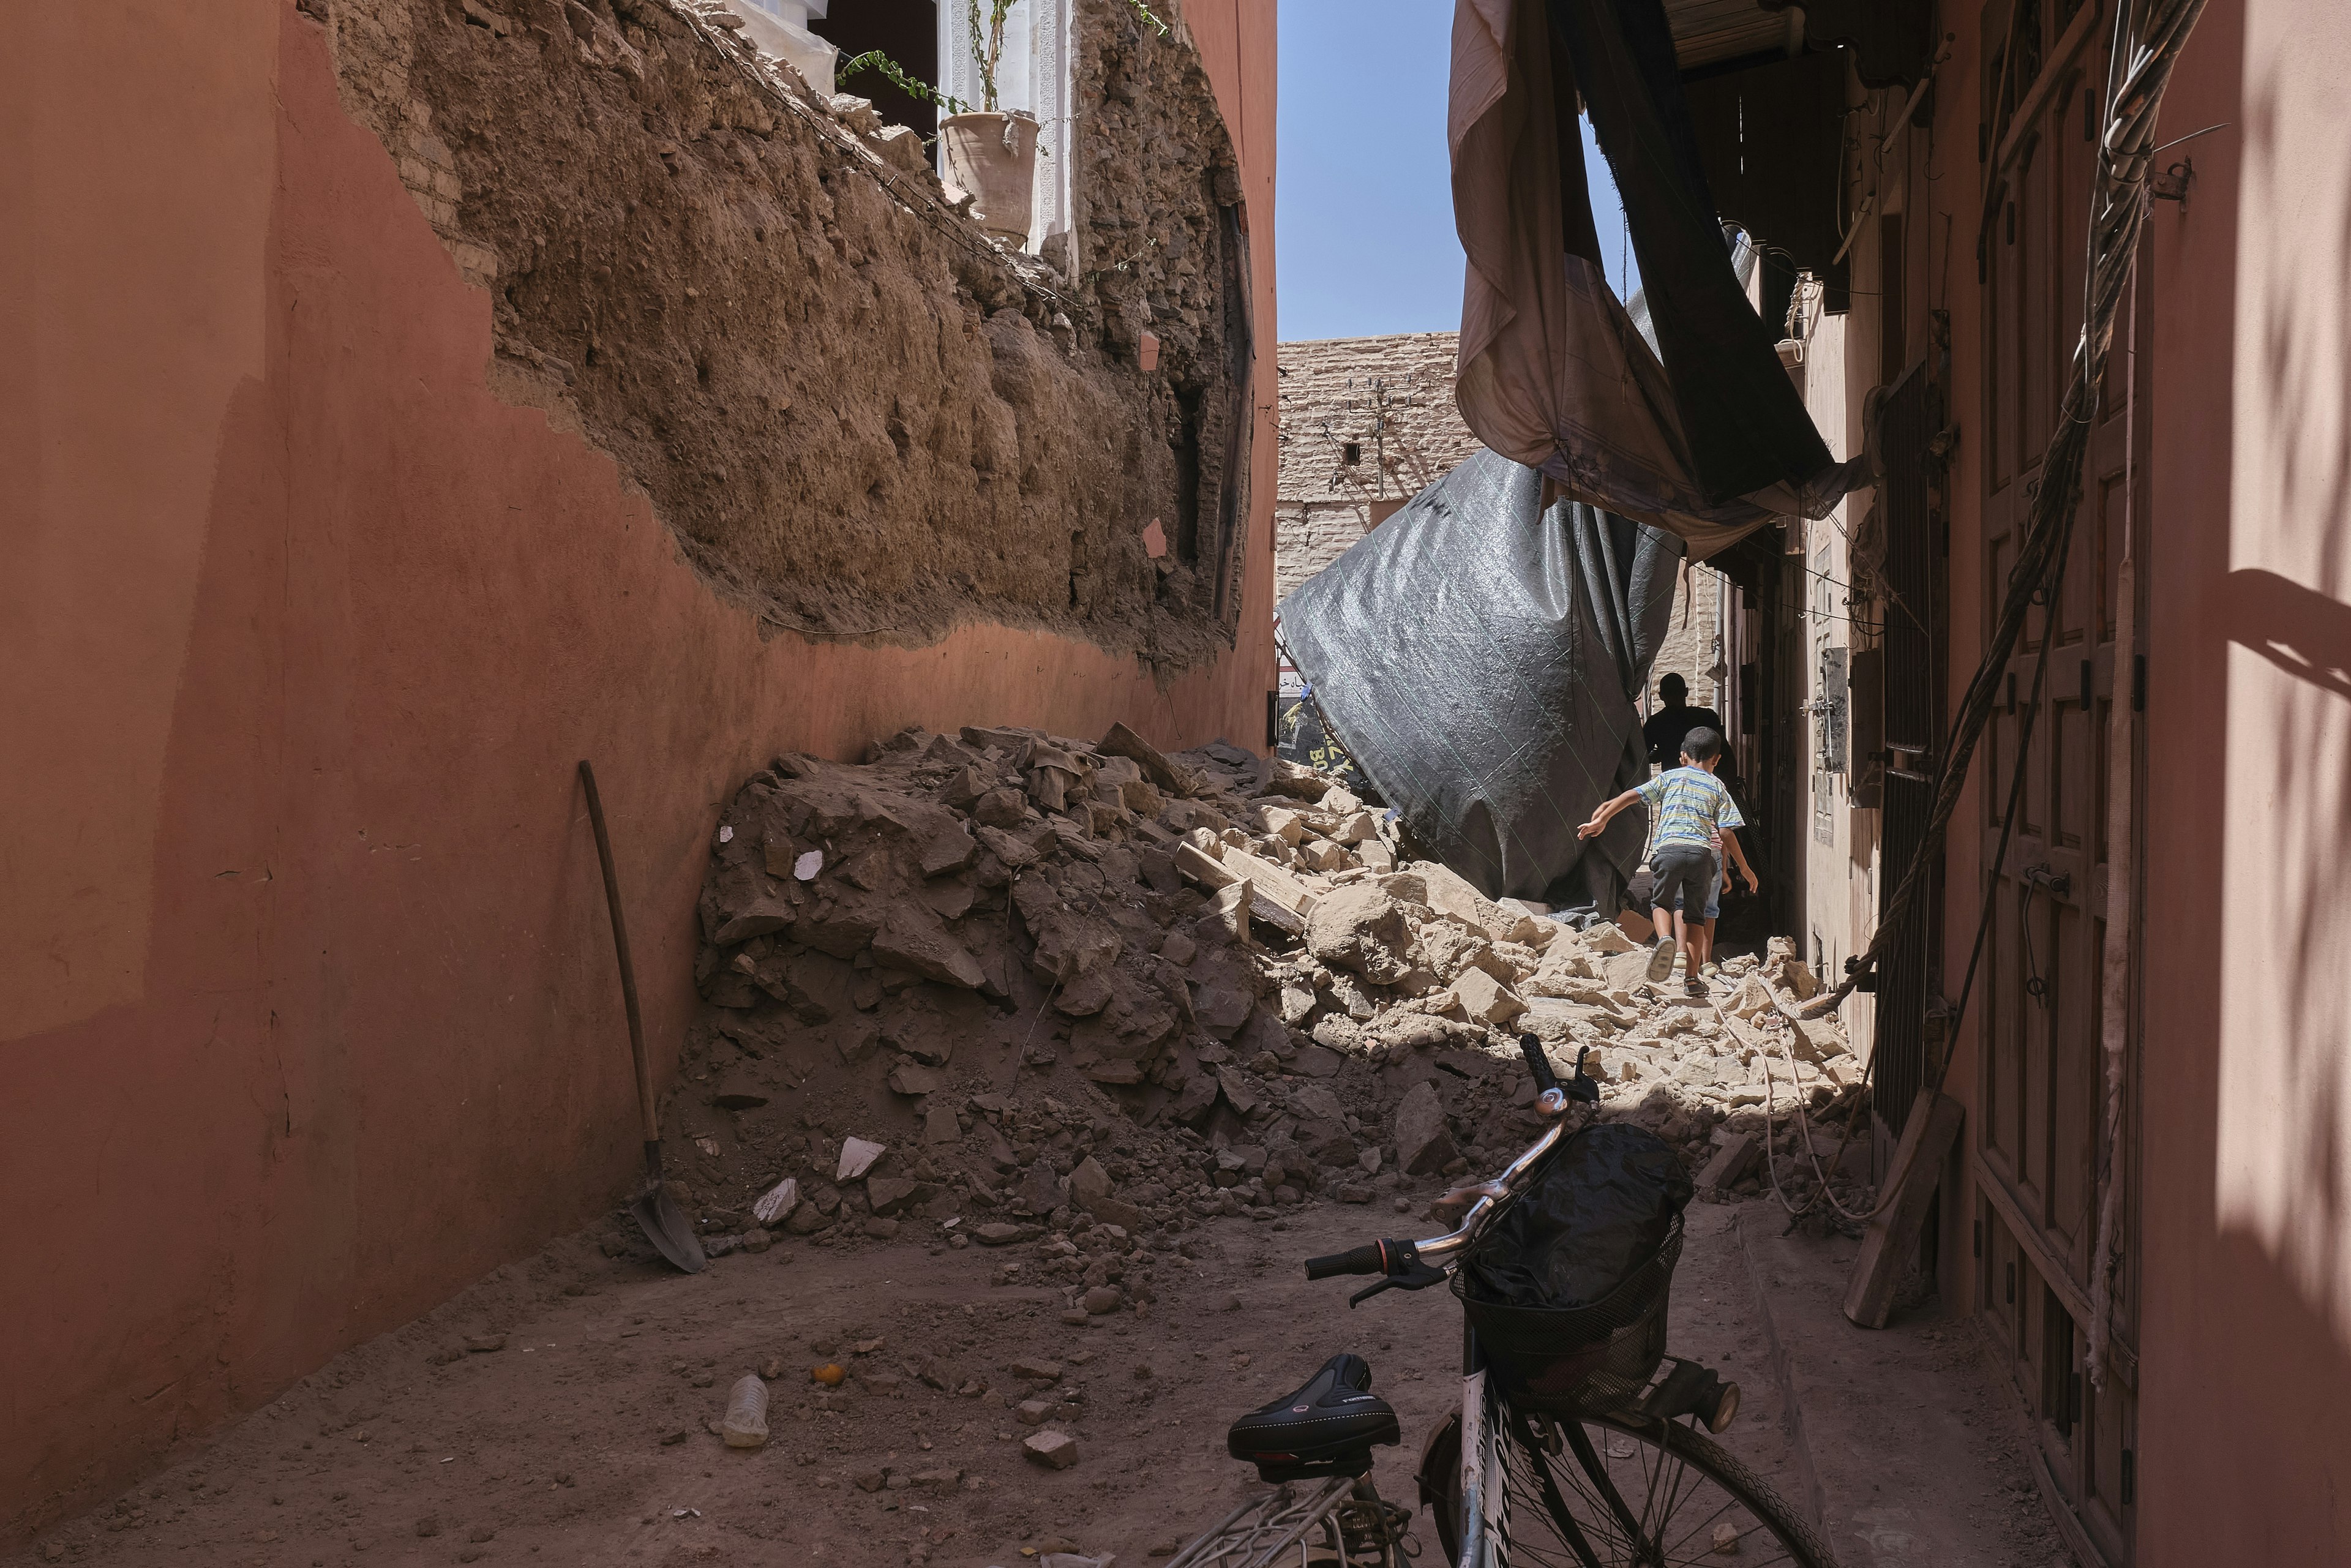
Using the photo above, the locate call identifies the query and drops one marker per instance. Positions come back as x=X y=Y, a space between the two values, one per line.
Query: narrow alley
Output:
x=968 y=783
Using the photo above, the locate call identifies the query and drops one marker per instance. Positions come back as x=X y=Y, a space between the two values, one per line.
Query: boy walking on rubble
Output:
x=1688 y=811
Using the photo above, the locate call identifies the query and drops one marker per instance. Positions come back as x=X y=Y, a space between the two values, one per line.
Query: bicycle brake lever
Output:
x=1419 y=1277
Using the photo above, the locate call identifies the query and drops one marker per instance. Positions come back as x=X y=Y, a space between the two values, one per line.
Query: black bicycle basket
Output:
x=1567 y=1286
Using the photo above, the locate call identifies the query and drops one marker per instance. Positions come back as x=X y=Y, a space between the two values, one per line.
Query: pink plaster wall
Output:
x=2243 y=1440
x=310 y=1016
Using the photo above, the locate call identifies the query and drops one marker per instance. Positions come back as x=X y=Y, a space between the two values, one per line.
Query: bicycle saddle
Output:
x=1326 y=1428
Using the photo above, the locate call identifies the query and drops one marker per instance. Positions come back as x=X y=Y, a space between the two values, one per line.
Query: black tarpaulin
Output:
x=1482 y=660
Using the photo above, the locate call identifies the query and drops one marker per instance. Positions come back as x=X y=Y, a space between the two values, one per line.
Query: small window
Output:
x=1350 y=453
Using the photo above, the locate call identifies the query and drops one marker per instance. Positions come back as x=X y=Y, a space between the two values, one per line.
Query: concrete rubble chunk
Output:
x=913 y=1078
x=1423 y=1143
x=1054 y=1450
x=1484 y=998
x=1197 y=864
x=1221 y=1012
x=1121 y=741
x=1604 y=938
x=1362 y=929
x=888 y=1195
x=1088 y=1183
x=775 y=1206
x=914 y=938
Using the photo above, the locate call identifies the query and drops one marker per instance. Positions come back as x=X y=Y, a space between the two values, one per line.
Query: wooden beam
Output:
x=1926 y=1137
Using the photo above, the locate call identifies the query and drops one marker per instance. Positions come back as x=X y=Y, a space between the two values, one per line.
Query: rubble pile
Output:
x=1026 y=991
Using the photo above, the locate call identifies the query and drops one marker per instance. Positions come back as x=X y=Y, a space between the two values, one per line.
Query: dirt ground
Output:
x=585 y=1438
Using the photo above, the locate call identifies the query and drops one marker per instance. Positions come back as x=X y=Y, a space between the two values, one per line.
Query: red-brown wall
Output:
x=309 y=1016
x=2243 y=1084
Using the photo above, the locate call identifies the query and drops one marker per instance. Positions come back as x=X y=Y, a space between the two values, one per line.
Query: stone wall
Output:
x=1690 y=649
x=855 y=412
x=1392 y=397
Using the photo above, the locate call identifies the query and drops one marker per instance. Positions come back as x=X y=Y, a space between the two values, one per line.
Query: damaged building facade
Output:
x=2143 y=1206
x=426 y=394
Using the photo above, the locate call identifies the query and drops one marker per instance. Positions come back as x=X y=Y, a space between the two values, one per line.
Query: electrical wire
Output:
x=2148 y=41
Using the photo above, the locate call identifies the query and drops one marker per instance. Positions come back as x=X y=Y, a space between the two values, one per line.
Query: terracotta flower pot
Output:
x=994 y=157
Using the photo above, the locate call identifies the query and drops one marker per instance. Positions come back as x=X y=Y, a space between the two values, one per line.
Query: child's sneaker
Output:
x=1661 y=959
x=1712 y=970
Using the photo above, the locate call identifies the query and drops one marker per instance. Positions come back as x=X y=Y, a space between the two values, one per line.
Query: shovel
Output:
x=657 y=1212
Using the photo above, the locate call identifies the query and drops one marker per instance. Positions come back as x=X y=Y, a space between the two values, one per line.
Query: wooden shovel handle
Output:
x=621 y=946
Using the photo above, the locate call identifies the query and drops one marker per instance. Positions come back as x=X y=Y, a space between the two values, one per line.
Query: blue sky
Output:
x=1364 y=218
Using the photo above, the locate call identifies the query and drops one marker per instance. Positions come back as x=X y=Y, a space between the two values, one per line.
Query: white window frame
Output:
x=1035 y=74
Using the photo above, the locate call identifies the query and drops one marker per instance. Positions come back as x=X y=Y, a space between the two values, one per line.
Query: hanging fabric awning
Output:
x=1705 y=436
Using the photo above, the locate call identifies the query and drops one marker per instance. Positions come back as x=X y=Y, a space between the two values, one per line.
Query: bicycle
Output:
x=1580 y=1451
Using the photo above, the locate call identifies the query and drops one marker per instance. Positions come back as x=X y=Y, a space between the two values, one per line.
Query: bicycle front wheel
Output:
x=1606 y=1491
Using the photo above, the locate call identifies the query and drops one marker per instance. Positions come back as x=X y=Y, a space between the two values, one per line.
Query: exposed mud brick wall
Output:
x=1328 y=400
x=854 y=412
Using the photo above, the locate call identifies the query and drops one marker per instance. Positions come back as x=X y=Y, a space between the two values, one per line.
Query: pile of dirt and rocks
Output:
x=1023 y=992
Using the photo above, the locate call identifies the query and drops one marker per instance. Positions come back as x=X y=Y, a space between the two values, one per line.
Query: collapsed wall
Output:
x=991 y=983
x=856 y=413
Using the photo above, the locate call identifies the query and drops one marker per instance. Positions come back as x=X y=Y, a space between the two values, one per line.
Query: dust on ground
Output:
x=1029 y=1071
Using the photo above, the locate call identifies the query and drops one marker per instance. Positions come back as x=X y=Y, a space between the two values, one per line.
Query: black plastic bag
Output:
x=1597 y=1211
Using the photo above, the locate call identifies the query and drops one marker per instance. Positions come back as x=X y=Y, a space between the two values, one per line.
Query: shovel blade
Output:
x=665 y=1226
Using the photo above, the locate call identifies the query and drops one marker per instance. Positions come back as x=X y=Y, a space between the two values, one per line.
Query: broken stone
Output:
x=1221 y=1011
x=857 y=1158
x=1605 y=938
x=1054 y=1450
x=887 y=1195
x=1238 y=1093
x=1731 y=1162
x=939 y=1123
x=1121 y=741
x=997 y=1233
x=1484 y=998
x=915 y=939
x=760 y=917
x=1101 y=1299
x=776 y=1204
x=913 y=1078
x=1423 y=1143
x=1231 y=913
x=1089 y=1183
x=1361 y=928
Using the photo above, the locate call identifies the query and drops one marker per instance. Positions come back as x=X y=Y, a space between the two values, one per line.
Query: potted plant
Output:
x=990 y=152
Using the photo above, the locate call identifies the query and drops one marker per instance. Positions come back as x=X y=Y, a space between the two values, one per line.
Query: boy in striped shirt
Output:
x=1689 y=812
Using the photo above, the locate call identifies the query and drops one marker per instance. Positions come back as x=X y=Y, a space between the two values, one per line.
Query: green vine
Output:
x=987 y=53
x=912 y=86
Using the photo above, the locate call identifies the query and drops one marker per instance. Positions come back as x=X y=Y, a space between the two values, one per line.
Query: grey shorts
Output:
x=1681 y=867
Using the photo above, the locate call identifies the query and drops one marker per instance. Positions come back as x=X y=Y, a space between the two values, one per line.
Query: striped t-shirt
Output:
x=1687 y=806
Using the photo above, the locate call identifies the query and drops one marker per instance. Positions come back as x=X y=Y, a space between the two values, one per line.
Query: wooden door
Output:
x=2038 y=1140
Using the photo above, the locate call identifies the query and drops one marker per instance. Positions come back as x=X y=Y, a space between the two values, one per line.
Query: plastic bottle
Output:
x=745 y=1426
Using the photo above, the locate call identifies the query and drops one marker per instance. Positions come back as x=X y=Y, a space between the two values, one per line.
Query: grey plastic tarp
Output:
x=1482 y=659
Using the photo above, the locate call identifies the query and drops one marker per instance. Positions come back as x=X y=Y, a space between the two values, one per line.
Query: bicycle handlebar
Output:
x=1537 y=1063
x=1413 y=1265
x=1369 y=1259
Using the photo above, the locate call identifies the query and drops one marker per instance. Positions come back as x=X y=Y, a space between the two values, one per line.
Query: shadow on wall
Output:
x=2260 y=1335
